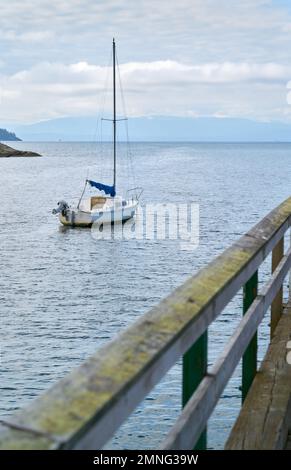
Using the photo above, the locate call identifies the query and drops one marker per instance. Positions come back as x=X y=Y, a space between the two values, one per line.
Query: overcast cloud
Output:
x=186 y=58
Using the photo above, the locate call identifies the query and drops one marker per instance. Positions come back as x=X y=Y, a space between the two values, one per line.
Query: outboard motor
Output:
x=63 y=206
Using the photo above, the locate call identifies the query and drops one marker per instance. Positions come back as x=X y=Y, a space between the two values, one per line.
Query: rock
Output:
x=6 y=151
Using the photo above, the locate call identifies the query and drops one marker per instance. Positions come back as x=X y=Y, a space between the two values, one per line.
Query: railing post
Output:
x=194 y=370
x=277 y=304
x=249 y=363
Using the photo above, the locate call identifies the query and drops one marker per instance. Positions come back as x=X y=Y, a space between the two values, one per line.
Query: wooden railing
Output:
x=83 y=410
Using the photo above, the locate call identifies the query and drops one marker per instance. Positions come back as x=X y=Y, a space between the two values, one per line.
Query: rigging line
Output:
x=102 y=98
x=122 y=99
x=124 y=112
x=101 y=113
x=82 y=193
x=121 y=88
x=129 y=151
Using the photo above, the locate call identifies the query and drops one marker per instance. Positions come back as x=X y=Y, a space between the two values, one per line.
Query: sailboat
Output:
x=108 y=207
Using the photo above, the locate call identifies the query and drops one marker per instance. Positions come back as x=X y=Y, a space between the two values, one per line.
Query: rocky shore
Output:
x=6 y=151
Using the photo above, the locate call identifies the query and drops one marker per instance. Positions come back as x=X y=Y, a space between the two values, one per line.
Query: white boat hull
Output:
x=74 y=217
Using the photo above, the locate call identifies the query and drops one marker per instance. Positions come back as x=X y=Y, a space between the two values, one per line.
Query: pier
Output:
x=86 y=408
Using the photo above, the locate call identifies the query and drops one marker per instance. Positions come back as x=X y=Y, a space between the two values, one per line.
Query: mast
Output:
x=114 y=117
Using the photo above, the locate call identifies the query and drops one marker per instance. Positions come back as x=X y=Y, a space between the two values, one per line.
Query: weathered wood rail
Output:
x=265 y=418
x=83 y=410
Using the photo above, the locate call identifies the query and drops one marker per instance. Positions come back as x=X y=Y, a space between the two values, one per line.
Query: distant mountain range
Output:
x=159 y=129
x=6 y=135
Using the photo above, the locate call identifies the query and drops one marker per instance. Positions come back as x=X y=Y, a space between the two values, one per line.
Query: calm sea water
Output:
x=63 y=294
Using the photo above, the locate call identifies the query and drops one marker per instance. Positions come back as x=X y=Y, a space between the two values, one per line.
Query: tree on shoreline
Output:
x=6 y=135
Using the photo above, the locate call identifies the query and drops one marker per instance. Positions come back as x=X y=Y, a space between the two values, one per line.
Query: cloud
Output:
x=27 y=37
x=49 y=90
x=168 y=71
x=191 y=56
x=190 y=30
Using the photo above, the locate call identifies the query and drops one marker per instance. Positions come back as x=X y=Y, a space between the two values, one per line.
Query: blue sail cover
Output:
x=103 y=187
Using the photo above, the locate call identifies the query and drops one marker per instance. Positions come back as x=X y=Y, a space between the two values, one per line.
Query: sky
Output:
x=220 y=58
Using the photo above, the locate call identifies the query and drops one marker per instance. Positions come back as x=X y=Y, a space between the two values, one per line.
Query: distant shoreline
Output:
x=158 y=142
x=8 y=136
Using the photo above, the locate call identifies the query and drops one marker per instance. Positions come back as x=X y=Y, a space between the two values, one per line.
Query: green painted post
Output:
x=194 y=369
x=249 y=364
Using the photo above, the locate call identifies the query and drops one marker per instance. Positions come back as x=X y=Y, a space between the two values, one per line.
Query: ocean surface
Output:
x=63 y=293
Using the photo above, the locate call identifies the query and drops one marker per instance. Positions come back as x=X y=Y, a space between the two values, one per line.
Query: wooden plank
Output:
x=277 y=304
x=85 y=408
x=265 y=417
x=196 y=413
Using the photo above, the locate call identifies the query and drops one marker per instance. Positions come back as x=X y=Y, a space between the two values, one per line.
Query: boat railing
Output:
x=137 y=193
x=86 y=408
